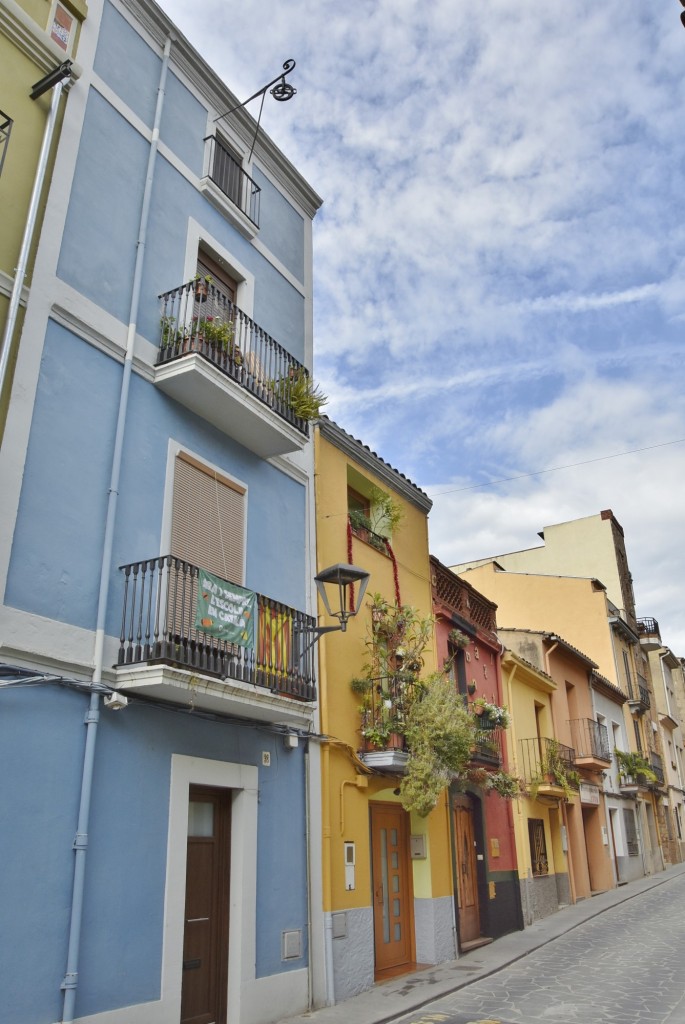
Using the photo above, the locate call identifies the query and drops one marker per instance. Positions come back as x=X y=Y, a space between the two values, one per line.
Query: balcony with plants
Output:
x=214 y=359
x=548 y=768
x=189 y=638
x=591 y=743
x=634 y=771
x=419 y=727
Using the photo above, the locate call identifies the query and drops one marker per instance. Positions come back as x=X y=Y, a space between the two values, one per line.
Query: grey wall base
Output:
x=542 y=896
x=353 y=954
x=434 y=925
x=630 y=869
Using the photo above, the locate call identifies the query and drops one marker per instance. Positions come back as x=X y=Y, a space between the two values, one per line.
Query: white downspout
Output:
x=27 y=240
x=70 y=982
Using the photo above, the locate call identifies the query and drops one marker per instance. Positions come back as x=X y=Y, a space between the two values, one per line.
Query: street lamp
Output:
x=341 y=576
x=682 y=16
x=338 y=578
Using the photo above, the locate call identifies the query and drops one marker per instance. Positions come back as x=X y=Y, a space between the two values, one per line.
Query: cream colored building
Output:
x=578 y=609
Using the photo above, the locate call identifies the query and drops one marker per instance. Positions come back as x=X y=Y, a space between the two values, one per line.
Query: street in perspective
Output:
x=621 y=967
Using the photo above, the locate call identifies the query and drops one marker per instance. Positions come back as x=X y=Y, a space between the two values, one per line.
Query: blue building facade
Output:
x=158 y=771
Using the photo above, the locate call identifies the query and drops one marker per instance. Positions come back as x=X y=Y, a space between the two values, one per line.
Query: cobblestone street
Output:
x=625 y=966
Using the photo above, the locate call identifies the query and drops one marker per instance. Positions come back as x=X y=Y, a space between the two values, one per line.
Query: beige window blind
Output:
x=208 y=519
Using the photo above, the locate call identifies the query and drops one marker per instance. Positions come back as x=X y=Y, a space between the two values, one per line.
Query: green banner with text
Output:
x=224 y=610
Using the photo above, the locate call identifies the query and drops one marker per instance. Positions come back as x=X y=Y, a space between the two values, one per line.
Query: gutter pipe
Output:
x=70 y=983
x=29 y=229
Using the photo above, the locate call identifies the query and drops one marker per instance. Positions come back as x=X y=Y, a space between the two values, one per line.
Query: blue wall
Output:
x=57 y=549
x=98 y=249
x=41 y=749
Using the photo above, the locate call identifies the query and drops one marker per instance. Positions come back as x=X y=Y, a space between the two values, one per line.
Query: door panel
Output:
x=465 y=870
x=205 y=936
x=392 y=887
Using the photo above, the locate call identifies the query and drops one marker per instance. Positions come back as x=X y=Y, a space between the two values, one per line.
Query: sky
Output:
x=499 y=263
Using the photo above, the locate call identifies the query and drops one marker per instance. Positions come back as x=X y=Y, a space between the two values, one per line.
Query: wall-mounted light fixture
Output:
x=333 y=586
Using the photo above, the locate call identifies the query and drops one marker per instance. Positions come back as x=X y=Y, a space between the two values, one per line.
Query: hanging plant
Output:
x=632 y=765
x=441 y=733
x=554 y=769
x=458 y=639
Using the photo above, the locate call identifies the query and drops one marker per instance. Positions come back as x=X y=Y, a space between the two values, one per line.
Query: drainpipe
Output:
x=31 y=219
x=69 y=985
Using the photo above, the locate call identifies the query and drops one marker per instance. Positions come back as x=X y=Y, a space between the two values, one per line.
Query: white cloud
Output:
x=499 y=276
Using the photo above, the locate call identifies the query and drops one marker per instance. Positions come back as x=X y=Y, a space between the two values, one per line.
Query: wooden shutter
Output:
x=208 y=520
x=207 y=267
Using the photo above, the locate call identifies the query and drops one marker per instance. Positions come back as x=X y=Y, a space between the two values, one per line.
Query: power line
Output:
x=553 y=469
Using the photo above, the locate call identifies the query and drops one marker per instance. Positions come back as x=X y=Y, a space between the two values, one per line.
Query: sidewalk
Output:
x=410 y=992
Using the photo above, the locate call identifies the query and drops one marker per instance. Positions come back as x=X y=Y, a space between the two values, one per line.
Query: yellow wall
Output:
x=26 y=54
x=341 y=658
x=574 y=608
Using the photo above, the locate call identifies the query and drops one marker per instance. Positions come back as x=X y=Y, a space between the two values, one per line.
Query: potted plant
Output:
x=299 y=392
x=201 y=287
x=554 y=770
x=492 y=715
x=458 y=639
x=633 y=768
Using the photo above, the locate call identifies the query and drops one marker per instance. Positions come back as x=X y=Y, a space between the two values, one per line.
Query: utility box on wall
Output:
x=417 y=846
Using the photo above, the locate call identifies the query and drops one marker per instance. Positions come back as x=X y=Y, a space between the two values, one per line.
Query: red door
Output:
x=465 y=870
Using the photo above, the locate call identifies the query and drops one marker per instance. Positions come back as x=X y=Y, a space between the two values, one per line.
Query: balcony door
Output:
x=393 y=917
x=205 y=934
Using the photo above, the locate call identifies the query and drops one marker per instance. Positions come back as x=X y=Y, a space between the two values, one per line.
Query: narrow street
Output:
x=624 y=966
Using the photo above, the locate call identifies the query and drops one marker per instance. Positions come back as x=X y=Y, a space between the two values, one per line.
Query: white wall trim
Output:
x=245 y=278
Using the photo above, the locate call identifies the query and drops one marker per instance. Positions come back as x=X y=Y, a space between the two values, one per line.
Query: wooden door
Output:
x=205 y=936
x=465 y=865
x=393 y=917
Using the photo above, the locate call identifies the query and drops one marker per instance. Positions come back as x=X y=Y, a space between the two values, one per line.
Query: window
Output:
x=538 y=846
x=208 y=519
x=207 y=266
x=457 y=663
x=638 y=736
x=226 y=171
x=631 y=832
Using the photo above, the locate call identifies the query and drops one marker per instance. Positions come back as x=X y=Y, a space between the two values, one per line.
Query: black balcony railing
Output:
x=6 y=123
x=643 y=691
x=384 y=712
x=226 y=171
x=157 y=626
x=590 y=739
x=199 y=317
x=545 y=759
x=488 y=746
x=656 y=764
x=648 y=627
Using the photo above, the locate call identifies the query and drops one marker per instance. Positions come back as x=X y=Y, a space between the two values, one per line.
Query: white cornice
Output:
x=373 y=463
x=219 y=97
x=30 y=38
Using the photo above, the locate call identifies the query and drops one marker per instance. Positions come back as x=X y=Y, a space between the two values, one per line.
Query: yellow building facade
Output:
x=580 y=611
x=36 y=37
x=387 y=876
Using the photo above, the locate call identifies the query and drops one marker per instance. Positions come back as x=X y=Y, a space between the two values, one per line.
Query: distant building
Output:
x=561 y=750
